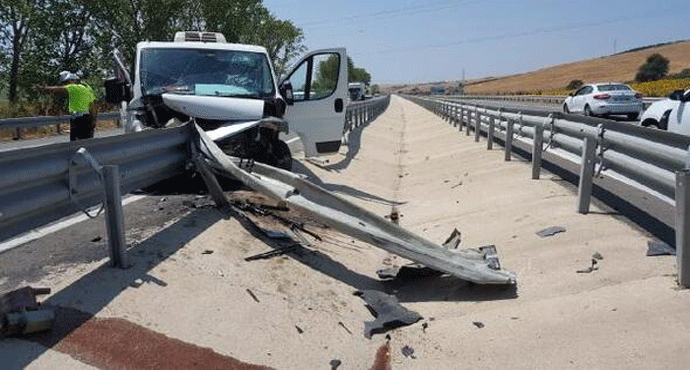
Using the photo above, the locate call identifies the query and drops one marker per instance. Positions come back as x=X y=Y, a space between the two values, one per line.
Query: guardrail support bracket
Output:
x=114 y=217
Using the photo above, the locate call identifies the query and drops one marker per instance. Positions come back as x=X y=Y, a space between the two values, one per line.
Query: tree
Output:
x=16 y=17
x=574 y=85
x=655 y=68
x=357 y=74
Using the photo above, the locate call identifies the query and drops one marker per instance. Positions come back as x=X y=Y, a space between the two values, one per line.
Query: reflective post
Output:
x=490 y=133
x=477 y=125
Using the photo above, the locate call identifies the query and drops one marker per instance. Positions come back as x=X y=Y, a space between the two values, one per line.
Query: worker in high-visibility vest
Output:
x=81 y=104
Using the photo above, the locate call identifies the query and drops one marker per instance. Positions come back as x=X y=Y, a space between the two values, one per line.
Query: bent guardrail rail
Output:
x=651 y=165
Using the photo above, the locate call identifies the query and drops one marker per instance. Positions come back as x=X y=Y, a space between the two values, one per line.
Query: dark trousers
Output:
x=82 y=127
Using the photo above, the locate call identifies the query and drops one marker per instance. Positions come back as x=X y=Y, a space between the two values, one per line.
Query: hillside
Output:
x=619 y=67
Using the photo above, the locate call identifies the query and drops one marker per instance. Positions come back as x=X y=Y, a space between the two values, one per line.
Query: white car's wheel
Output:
x=588 y=111
x=566 y=110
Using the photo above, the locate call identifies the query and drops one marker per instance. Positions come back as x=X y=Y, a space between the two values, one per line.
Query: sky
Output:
x=407 y=41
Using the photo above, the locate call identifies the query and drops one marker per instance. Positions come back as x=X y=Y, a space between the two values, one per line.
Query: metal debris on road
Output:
x=344 y=327
x=335 y=363
x=388 y=312
x=96 y=239
x=478 y=324
x=252 y=295
x=274 y=253
x=597 y=256
x=207 y=251
x=591 y=268
x=408 y=351
x=551 y=231
x=659 y=248
x=299 y=330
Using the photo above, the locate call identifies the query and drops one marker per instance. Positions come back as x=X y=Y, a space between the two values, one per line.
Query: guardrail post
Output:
x=509 y=140
x=477 y=125
x=462 y=118
x=469 y=121
x=683 y=226
x=584 y=190
x=114 y=217
x=536 y=150
x=490 y=133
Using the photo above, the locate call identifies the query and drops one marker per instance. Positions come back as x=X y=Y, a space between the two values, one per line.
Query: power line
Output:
x=388 y=13
x=516 y=35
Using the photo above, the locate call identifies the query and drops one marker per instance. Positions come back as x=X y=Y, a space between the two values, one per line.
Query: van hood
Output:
x=215 y=107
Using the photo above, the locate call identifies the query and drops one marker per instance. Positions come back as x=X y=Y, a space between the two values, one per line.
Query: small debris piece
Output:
x=597 y=256
x=551 y=231
x=299 y=330
x=478 y=324
x=424 y=326
x=276 y=234
x=335 y=363
x=591 y=268
x=659 y=248
x=456 y=185
x=453 y=241
x=273 y=253
x=408 y=351
x=207 y=251
x=253 y=296
x=388 y=312
x=96 y=239
x=344 y=327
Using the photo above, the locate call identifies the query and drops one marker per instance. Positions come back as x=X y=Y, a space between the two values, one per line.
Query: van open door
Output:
x=319 y=85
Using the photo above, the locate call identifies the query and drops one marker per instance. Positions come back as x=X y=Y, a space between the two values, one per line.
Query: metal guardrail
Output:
x=648 y=163
x=535 y=99
x=363 y=112
x=43 y=184
x=26 y=122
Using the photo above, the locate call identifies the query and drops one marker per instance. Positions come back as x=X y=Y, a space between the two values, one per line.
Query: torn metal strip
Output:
x=350 y=219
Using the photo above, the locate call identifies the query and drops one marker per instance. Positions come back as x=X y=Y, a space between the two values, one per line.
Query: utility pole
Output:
x=615 y=41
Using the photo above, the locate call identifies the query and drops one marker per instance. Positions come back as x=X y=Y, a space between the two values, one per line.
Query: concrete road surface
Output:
x=190 y=299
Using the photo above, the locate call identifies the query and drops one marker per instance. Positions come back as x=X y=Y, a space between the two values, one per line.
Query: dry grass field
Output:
x=620 y=67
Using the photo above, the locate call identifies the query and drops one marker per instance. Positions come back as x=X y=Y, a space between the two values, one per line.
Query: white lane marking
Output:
x=292 y=140
x=51 y=228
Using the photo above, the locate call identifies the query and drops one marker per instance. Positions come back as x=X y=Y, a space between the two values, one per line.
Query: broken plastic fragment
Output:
x=551 y=231
x=388 y=312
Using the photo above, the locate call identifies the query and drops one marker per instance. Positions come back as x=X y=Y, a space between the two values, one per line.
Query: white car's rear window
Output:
x=611 y=87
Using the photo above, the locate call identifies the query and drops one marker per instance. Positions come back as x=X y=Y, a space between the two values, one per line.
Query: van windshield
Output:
x=208 y=72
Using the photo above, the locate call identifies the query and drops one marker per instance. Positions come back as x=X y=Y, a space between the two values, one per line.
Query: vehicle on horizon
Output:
x=231 y=92
x=604 y=99
x=357 y=91
x=672 y=113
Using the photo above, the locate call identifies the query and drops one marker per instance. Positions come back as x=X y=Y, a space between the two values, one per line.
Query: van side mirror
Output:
x=676 y=95
x=285 y=90
x=117 y=91
x=571 y=94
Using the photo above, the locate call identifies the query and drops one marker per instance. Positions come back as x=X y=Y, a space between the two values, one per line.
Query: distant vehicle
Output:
x=357 y=90
x=437 y=90
x=672 y=114
x=603 y=99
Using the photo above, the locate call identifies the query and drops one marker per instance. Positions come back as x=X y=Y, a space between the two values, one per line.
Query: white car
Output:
x=672 y=114
x=603 y=99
